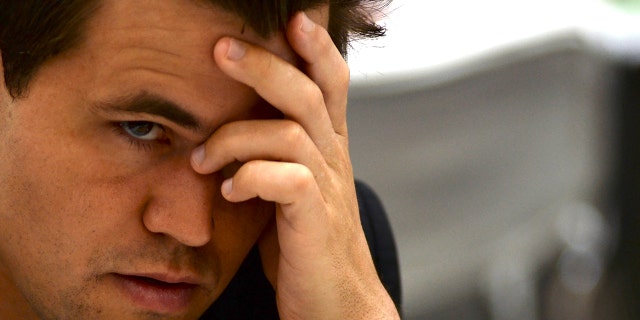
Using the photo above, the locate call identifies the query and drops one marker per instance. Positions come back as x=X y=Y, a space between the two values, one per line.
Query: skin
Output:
x=88 y=204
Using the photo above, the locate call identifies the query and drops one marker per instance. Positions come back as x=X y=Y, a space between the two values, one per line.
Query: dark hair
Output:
x=34 y=31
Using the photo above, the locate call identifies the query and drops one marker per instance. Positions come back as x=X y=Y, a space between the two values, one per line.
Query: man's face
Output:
x=102 y=214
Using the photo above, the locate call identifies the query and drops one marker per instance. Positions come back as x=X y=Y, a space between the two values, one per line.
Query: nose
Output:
x=181 y=204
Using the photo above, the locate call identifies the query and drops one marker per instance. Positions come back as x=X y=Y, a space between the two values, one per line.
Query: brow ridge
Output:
x=148 y=103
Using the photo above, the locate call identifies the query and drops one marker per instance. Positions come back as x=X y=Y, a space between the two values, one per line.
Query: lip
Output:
x=159 y=293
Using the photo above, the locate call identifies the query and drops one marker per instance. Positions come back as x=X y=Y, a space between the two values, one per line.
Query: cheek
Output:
x=57 y=192
x=237 y=227
x=46 y=234
x=49 y=203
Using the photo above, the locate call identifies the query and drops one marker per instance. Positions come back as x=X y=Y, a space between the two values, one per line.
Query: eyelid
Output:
x=175 y=129
x=141 y=144
x=154 y=128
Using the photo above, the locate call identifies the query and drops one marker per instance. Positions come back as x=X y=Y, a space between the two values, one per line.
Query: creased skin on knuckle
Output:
x=314 y=98
x=301 y=179
x=294 y=135
x=248 y=173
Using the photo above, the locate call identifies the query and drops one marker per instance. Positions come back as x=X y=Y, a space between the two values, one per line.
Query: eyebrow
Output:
x=145 y=102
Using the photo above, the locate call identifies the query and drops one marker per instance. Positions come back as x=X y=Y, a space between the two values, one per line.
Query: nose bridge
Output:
x=181 y=204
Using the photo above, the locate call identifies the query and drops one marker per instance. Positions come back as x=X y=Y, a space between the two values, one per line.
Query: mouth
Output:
x=157 y=293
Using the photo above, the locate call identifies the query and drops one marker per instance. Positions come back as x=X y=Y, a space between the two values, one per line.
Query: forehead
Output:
x=167 y=46
x=194 y=20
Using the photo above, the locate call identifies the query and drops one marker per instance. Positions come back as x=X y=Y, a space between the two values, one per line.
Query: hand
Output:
x=318 y=261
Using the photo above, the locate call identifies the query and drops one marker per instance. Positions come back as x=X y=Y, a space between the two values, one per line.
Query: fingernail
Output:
x=197 y=155
x=227 y=187
x=236 y=50
x=307 y=25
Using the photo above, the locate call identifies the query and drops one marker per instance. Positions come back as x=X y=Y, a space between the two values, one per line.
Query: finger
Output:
x=280 y=84
x=280 y=182
x=243 y=141
x=324 y=64
x=302 y=218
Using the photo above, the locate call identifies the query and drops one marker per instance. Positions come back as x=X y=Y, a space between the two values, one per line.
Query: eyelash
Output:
x=140 y=144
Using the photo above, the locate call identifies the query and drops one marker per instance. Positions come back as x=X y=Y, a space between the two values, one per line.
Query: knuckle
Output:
x=246 y=172
x=311 y=90
x=250 y=168
x=294 y=134
x=314 y=94
x=301 y=178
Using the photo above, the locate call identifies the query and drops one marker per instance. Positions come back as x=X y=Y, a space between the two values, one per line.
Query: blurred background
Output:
x=503 y=138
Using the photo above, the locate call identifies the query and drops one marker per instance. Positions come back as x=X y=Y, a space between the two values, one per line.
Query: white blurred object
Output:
x=588 y=239
x=437 y=37
x=474 y=120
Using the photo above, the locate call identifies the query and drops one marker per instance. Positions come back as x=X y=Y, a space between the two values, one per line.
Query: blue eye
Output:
x=142 y=130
